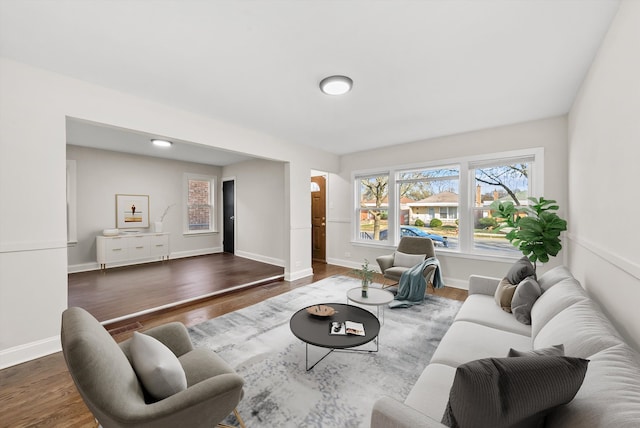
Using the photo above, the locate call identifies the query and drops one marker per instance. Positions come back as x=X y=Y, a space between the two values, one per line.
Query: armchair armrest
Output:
x=385 y=262
x=483 y=285
x=174 y=336
x=390 y=413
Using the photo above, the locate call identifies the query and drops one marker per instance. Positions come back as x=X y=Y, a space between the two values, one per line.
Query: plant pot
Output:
x=365 y=288
x=157 y=226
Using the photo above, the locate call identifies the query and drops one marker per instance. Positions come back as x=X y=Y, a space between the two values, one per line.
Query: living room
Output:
x=589 y=145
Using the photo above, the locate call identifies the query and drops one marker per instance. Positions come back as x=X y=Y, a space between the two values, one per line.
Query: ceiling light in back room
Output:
x=336 y=85
x=161 y=143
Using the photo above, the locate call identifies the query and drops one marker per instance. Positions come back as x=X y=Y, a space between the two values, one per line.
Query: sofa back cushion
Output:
x=609 y=395
x=582 y=328
x=557 y=298
x=553 y=276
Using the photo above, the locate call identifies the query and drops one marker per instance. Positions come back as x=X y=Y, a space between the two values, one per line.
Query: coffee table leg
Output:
x=306 y=357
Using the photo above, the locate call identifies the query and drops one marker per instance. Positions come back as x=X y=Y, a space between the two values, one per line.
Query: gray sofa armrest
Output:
x=385 y=262
x=390 y=413
x=483 y=285
x=174 y=335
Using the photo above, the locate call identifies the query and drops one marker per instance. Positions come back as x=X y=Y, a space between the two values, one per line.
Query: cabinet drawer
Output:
x=159 y=245
x=138 y=247
x=116 y=250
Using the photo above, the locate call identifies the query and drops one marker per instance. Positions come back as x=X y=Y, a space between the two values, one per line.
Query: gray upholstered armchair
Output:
x=392 y=268
x=103 y=373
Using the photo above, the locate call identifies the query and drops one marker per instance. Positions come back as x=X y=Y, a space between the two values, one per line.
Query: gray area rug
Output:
x=340 y=391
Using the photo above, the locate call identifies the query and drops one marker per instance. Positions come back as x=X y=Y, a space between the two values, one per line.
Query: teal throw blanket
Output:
x=412 y=284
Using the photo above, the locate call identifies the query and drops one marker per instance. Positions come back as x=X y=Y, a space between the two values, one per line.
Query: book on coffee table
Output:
x=347 y=327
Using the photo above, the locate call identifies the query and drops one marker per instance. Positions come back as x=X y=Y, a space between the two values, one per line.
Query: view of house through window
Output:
x=504 y=182
x=199 y=199
x=429 y=202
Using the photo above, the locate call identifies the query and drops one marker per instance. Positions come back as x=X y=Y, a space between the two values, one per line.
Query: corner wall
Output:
x=604 y=148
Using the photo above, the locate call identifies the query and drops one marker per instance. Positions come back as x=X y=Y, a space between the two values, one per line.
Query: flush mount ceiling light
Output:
x=336 y=85
x=161 y=143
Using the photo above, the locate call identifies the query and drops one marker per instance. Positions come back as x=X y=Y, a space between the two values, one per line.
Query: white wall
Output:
x=551 y=134
x=33 y=250
x=259 y=210
x=604 y=149
x=101 y=174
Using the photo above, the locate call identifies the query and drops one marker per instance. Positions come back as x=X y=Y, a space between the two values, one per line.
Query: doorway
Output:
x=319 y=219
x=228 y=216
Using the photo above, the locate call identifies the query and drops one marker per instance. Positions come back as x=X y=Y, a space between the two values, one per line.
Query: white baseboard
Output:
x=292 y=276
x=86 y=267
x=29 y=351
x=260 y=258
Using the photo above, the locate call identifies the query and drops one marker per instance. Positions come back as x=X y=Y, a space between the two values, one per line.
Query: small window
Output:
x=199 y=206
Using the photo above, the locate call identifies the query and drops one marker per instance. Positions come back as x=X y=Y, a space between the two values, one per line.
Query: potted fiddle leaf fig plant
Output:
x=536 y=234
x=366 y=275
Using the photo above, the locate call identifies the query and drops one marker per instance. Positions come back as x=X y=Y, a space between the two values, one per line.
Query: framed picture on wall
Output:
x=132 y=211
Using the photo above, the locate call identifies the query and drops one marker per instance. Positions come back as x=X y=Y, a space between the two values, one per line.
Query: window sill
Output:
x=199 y=232
x=442 y=251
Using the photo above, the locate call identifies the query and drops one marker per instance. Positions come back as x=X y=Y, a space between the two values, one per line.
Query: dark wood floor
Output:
x=115 y=293
x=41 y=393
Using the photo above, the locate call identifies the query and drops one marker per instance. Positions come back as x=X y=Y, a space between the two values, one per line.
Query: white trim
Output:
x=72 y=223
x=626 y=265
x=86 y=267
x=260 y=258
x=15 y=247
x=293 y=276
x=29 y=351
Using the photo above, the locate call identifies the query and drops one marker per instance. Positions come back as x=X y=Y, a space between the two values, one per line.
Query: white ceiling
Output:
x=421 y=69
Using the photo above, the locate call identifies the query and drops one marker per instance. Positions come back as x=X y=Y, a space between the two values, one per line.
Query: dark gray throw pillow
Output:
x=555 y=350
x=526 y=294
x=507 y=392
x=520 y=270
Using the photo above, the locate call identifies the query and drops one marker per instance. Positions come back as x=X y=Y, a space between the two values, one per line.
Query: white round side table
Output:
x=375 y=297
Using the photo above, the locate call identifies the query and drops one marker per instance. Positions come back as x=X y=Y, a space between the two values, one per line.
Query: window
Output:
x=506 y=180
x=428 y=202
x=372 y=217
x=198 y=203
x=448 y=202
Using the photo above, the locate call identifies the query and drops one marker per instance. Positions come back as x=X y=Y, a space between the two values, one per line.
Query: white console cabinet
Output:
x=129 y=249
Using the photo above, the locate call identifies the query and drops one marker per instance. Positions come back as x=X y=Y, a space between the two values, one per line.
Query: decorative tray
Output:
x=321 y=310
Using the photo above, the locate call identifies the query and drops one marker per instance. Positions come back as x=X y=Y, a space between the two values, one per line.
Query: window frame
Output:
x=212 y=203
x=466 y=208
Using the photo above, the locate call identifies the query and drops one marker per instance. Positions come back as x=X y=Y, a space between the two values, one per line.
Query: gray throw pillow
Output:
x=407 y=260
x=508 y=392
x=520 y=270
x=526 y=294
x=552 y=351
x=158 y=369
x=504 y=294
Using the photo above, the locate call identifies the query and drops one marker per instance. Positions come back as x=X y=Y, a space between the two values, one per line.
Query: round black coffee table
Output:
x=313 y=330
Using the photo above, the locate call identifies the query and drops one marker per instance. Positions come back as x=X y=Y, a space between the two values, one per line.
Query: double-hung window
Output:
x=199 y=197
x=448 y=201
x=372 y=213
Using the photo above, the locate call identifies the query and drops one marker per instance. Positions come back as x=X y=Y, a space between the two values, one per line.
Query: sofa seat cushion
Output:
x=559 y=297
x=582 y=328
x=202 y=364
x=609 y=396
x=430 y=393
x=395 y=272
x=466 y=341
x=482 y=309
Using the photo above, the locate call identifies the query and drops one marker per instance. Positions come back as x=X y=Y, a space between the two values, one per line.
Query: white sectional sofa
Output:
x=563 y=314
